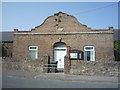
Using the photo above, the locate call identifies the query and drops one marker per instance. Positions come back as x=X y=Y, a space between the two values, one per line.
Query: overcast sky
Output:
x=27 y=15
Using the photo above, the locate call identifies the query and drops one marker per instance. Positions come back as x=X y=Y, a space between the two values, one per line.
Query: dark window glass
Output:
x=32 y=47
x=88 y=48
x=88 y=55
x=59 y=45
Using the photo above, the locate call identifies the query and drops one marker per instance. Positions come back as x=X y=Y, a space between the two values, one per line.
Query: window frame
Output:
x=93 y=50
x=36 y=56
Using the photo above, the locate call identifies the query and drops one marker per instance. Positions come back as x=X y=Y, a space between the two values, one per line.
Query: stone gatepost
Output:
x=46 y=61
x=67 y=65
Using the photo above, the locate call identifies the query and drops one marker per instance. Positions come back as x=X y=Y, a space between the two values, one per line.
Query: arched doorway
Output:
x=60 y=50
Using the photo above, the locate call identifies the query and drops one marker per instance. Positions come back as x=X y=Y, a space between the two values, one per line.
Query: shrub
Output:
x=117 y=45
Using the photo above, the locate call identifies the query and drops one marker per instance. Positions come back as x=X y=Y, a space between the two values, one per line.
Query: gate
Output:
x=48 y=68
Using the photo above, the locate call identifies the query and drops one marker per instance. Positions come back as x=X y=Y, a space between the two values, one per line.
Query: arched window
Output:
x=59 y=44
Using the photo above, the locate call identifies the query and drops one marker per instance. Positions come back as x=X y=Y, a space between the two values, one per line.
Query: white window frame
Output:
x=36 y=56
x=90 y=50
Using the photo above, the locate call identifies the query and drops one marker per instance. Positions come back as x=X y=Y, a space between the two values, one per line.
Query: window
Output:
x=76 y=55
x=59 y=44
x=33 y=52
x=89 y=53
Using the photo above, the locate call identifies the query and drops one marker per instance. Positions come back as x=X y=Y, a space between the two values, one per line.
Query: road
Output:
x=36 y=80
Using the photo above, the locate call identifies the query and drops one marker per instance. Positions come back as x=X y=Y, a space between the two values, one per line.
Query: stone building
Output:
x=6 y=44
x=58 y=35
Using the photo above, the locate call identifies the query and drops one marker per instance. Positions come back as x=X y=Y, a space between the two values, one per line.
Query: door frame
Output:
x=64 y=48
x=59 y=47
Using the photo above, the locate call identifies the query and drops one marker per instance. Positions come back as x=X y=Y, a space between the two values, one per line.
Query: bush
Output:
x=117 y=45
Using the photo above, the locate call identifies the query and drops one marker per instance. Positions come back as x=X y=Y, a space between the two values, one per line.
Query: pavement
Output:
x=20 y=79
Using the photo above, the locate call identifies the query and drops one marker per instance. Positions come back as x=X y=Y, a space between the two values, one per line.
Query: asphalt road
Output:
x=35 y=80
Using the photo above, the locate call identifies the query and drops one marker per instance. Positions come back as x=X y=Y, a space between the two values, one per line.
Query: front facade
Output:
x=59 y=34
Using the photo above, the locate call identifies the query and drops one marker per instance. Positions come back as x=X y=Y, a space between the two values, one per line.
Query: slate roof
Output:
x=6 y=36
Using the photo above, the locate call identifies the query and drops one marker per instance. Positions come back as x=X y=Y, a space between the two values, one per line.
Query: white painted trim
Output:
x=89 y=46
x=60 y=48
x=57 y=48
x=90 y=50
x=34 y=50
x=33 y=46
x=104 y=32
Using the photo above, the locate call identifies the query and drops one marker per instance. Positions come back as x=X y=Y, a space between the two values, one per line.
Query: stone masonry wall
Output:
x=97 y=68
x=22 y=65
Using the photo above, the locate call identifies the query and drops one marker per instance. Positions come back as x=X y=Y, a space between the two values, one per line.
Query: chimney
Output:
x=110 y=28
x=15 y=29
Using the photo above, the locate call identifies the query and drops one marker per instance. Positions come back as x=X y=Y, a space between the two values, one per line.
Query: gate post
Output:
x=67 y=62
x=67 y=65
x=46 y=62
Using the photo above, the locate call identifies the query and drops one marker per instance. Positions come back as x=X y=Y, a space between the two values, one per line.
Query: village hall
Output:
x=62 y=34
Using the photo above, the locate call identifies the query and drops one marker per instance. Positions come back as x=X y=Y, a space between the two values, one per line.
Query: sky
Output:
x=27 y=15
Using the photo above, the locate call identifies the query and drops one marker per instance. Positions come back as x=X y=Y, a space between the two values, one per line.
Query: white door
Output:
x=59 y=54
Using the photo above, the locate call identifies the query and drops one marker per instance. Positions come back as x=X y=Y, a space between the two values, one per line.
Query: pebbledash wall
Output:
x=64 y=28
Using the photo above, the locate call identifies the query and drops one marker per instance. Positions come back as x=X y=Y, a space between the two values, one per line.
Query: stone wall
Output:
x=23 y=65
x=117 y=55
x=97 y=68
